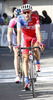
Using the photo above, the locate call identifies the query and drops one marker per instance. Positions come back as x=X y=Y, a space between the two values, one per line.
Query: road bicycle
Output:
x=32 y=69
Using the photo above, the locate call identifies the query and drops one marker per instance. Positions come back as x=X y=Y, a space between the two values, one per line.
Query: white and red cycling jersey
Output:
x=28 y=28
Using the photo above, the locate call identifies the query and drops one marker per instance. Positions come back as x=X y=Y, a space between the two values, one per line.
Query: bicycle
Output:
x=32 y=71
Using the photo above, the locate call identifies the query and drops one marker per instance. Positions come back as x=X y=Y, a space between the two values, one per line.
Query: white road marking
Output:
x=46 y=74
x=47 y=69
x=50 y=78
x=7 y=76
x=7 y=80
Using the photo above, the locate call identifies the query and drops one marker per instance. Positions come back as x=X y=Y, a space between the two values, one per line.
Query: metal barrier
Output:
x=3 y=36
x=0 y=34
x=46 y=31
x=47 y=35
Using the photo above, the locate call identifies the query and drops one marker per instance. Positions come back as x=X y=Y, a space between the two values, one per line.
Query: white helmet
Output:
x=26 y=7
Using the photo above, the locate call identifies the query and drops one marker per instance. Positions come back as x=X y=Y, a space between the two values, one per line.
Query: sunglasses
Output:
x=26 y=12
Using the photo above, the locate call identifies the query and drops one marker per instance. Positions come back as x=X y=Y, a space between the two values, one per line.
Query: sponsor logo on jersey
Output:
x=29 y=27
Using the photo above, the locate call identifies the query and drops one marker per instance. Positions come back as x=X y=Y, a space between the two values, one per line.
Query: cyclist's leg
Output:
x=16 y=65
x=16 y=62
x=37 y=53
x=37 y=56
x=25 y=69
x=25 y=62
x=16 y=59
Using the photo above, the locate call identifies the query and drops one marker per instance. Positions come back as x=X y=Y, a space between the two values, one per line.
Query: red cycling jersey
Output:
x=28 y=29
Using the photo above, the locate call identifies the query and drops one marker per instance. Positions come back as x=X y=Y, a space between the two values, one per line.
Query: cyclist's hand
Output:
x=42 y=46
x=10 y=45
x=18 y=48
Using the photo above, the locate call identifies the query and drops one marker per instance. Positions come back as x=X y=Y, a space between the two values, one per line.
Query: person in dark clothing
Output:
x=13 y=9
x=1 y=20
x=46 y=19
x=5 y=17
x=40 y=17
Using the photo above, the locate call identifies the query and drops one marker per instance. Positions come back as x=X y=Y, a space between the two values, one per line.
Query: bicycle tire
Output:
x=32 y=80
x=20 y=70
x=23 y=80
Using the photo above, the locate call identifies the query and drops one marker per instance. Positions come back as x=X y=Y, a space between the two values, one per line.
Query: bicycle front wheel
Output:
x=32 y=79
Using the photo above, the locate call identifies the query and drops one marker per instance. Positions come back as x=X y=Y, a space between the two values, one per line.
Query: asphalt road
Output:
x=12 y=91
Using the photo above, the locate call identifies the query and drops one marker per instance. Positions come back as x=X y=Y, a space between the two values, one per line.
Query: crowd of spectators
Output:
x=1 y=20
x=44 y=18
x=4 y=19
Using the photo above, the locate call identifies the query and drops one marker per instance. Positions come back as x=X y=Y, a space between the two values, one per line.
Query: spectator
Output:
x=1 y=20
x=13 y=11
x=5 y=17
x=47 y=19
x=35 y=12
x=40 y=17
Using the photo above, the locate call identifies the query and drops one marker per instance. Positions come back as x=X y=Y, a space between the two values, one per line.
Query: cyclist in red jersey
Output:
x=29 y=24
x=13 y=27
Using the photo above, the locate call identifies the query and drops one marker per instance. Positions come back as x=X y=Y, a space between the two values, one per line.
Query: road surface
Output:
x=9 y=90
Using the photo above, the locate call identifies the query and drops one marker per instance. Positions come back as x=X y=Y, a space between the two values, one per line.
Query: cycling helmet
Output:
x=26 y=7
x=17 y=12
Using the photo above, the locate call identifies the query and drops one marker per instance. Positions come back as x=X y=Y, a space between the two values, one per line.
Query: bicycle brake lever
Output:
x=11 y=47
x=41 y=53
x=11 y=50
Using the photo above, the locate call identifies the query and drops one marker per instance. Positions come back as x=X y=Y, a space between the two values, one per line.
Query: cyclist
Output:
x=13 y=27
x=29 y=24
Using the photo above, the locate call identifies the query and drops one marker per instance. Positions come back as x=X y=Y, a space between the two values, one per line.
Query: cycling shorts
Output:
x=27 y=44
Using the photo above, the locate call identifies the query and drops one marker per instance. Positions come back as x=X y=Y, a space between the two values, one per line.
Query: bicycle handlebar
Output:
x=29 y=47
x=26 y=47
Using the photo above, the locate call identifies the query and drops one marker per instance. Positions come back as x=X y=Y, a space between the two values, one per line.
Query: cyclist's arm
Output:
x=39 y=37
x=10 y=29
x=37 y=26
x=9 y=34
x=38 y=33
x=18 y=35
x=18 y=31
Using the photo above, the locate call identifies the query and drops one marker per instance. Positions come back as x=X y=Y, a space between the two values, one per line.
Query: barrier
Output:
x=0 y=34
x=4 y=36
x=46 y=31
x=51 y=36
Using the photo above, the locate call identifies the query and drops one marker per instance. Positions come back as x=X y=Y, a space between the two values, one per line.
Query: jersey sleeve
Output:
x=11 y=24
x=37 y=21
x=18 y=22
